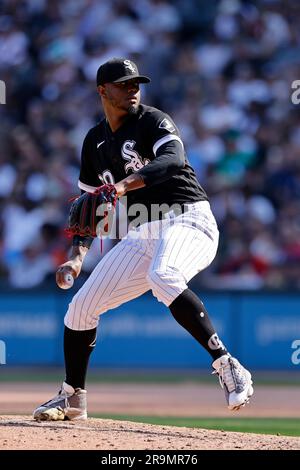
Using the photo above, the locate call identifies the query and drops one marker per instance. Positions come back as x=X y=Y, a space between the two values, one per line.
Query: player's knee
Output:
x=78 y=317
x=157 y=278
x=164 y=283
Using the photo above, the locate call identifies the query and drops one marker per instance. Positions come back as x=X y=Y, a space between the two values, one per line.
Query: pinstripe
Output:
x=201 y=265
x=124 y=297
x=74 y=316
x=158 y=249
x=109 y=275
x=129 y=286
x=95 y=284
x=128 y=280
x=159 y=284
x=192 y=255
x=161 y=263
x=117 y=263
x=122 y=274
x=171 y=245
x=187 y=248
x=130 y=295
x=179 y=251
x=163 y=258
x=85 y=290
x=196 y=256
x=141 y=277
x=188 y=244
x=138 y=262
x=172 y=236
x=176 y=251
x=113 y=269
x=125 y=288
x=119 y=252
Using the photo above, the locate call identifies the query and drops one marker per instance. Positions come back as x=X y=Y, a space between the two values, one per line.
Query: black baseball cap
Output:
x=118 y=70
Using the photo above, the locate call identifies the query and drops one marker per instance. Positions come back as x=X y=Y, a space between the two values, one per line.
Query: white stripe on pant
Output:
x=158 y=256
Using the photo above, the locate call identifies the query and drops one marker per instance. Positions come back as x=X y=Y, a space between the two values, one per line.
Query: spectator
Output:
x=224 y=70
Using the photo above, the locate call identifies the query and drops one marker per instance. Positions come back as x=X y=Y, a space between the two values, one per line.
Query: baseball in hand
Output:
x=68 y=281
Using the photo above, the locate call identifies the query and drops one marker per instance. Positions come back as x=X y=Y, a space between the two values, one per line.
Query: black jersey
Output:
x=108 y=157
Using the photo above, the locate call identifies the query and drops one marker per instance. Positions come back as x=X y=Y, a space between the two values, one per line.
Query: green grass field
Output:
x=277 y=426
x=22 y=374
x=281 y=426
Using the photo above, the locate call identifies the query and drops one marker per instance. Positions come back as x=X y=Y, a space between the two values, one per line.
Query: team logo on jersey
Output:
x=135 y=161
x=166 y=124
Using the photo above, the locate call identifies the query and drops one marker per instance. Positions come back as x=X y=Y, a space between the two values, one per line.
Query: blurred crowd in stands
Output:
x=223 y=69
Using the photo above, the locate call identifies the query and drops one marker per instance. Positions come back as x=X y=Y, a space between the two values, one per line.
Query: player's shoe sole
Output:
x=68 y=404
x=58 y=414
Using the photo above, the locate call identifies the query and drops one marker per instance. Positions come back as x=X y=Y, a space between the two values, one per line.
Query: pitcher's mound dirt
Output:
x=22 y=432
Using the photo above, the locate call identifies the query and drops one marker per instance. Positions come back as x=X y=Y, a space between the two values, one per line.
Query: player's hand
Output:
x=72 y=267
x=130 y=183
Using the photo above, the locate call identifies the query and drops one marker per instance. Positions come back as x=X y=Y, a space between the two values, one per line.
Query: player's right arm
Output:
x=73 y=265
x=80 y=245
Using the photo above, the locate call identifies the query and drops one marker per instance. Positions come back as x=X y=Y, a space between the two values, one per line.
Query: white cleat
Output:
x=68 y=404
x=235 y=380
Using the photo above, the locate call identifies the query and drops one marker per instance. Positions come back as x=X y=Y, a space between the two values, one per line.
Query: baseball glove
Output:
x=89 y=212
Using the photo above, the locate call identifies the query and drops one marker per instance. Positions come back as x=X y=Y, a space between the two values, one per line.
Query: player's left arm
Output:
x=169 y=160
x=130 y=183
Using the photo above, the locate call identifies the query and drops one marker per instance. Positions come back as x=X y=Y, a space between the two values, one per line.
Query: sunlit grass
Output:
x=277 y=426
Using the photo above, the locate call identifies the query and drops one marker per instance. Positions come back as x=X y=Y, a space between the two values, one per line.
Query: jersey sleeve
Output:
x=161 y=129
x=88 y=180
x=164 y=140
x=169 y=160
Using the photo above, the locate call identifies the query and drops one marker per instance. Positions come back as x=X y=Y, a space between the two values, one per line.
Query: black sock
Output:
x=189 y=312
x=78 y=346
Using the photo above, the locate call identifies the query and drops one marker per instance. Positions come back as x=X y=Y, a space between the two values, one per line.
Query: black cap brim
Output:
x=141 y=79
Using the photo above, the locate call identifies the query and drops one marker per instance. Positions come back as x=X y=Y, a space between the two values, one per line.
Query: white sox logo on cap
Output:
x=118 y=70
x=129 y=65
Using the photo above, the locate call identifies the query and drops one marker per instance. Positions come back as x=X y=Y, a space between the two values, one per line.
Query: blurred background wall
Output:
x=224 y=71
x=260 y=329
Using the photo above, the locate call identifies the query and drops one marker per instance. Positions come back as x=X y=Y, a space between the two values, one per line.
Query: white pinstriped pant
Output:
x=161 y=255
